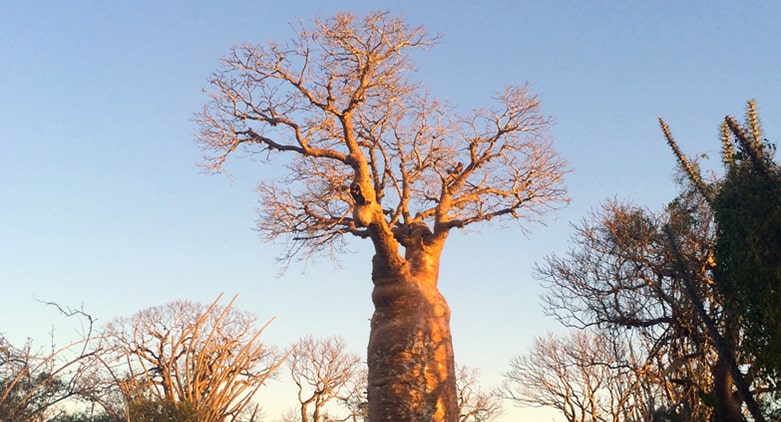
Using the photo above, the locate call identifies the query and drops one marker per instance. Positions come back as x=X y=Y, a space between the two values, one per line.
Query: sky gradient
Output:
x=102 y=204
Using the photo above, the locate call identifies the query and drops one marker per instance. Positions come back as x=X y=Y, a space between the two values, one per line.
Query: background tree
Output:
x=323 y=371
x=474 y=403
x=373 y=155
x=747 y=209
x=188 y=359
x=748 y=251
x=33 y=383
x=85 y=416
x=356 y=402
x=157 y=410
x=652 y=274
x=587 y=375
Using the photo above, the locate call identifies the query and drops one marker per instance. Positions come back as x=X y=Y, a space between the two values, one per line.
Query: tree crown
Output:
x=373 y=150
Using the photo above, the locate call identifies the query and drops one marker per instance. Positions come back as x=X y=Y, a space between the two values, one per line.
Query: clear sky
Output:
x=102 y=204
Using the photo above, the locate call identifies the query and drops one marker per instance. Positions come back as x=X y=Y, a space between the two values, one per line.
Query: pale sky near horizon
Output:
x=102 y=204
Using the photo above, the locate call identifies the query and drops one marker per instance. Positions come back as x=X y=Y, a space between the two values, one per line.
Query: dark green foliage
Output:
x=140 y=410
x=748 y=252
x=25 y=397
x=746 y=203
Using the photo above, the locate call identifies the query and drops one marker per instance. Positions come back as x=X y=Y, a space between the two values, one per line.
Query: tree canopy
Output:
x=746 y=202
x=372 y=144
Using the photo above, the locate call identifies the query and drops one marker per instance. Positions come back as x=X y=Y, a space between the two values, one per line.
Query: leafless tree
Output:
x=324 y=371
x=33 y=383
x=369 y=153
x=586 y=375
x=209 y=358
x=651 y=273
x=356 y=401
x=475 y=404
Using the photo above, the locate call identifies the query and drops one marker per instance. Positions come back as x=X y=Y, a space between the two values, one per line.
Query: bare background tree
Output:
x=373 y=155
x=356 y=401
x=199 y=359
x=323 y=371
x=587 y=375
x=475 y=404
x=34 y=383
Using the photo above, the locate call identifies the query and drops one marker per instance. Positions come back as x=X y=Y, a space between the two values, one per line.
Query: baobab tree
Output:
x=370 y=153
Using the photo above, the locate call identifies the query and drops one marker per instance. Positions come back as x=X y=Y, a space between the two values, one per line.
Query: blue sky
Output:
x=102 y=204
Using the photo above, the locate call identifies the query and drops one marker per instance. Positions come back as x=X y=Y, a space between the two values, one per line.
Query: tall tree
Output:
x=748 y=250
x=371 y=154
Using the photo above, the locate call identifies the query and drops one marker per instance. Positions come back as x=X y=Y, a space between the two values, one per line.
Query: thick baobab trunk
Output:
x=410 y=354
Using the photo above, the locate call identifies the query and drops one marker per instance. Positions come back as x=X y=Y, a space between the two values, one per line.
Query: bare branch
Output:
x=585 y=375
x=208 y=356
x=323 y=371
x=33 y=384
x=338 y=100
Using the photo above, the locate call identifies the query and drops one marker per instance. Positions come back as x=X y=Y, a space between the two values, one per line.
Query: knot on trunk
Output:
x=421 y=251
x=363 y=211
x=413 y=235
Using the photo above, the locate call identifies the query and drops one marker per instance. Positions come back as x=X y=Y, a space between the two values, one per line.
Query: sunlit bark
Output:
x=371 y=154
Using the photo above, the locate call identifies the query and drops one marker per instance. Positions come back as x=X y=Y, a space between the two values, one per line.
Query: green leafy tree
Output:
x=84 y=416
x=748 y=250
x=370 y=154
x=139 y=410
x=144 y=410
